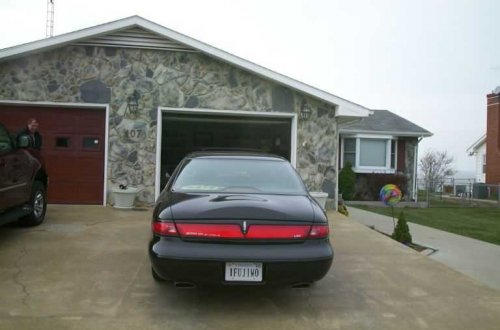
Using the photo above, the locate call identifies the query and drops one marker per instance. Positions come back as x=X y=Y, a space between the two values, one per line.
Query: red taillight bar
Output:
x=277 y=232
x=319 y=231
x=234 y=231
x=165 y=228
x=210 y=230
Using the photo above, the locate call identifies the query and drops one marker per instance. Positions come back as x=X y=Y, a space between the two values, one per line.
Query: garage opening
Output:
x=183 y=133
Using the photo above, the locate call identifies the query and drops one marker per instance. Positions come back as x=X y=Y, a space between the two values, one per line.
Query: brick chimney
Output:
x=493 y=138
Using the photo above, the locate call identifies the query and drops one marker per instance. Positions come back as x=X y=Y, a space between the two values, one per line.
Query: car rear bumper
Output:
x=204 y=263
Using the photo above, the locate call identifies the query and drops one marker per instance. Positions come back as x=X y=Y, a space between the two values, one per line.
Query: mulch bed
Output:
x=417 y=247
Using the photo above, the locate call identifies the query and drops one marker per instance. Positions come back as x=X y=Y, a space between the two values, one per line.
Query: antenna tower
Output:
x=49 y=24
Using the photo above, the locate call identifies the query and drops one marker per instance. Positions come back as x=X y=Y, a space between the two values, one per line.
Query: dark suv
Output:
x=23 y=181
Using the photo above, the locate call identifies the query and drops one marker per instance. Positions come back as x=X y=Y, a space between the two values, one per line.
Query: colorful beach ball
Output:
x=390 y=194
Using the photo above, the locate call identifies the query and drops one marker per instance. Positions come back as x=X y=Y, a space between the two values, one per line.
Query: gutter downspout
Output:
x=337 y=167
x=415 y=184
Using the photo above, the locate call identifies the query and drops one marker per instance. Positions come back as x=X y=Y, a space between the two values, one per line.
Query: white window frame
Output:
x=372 y=169
x=483 y=165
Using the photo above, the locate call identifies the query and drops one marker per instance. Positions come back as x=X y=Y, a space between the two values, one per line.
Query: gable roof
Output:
x=476 y=145
x=384 y=122
x=101 y=34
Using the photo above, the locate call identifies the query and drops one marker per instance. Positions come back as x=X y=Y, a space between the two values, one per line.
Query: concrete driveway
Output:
x=87 y=268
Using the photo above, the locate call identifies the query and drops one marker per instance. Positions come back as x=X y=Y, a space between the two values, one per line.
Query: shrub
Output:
x=347 y=181
x=402 y=231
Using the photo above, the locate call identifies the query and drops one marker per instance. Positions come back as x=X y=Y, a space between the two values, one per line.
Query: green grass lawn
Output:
x=479 y=223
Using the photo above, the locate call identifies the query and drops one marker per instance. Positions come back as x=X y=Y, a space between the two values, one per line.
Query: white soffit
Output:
x=477 y=144
x=393 y=133
x=344 y=108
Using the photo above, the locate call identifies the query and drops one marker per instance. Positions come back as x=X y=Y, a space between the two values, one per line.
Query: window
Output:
x=239 y=176
x=90 y=143
x=62 y=142
x=350 y=152
x=484 y=163
x=393 y=154
x=370 y=154
x=5 y=142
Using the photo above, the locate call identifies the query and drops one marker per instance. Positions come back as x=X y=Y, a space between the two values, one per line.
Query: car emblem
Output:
x=244 y=227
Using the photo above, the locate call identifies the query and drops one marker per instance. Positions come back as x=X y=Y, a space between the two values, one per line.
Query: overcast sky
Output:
x=429 y=61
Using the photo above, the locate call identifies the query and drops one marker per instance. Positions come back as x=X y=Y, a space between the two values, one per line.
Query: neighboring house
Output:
x=383 y=143
x=121 y=103
x=478 y=149
x=493 y=138
x=487 y=149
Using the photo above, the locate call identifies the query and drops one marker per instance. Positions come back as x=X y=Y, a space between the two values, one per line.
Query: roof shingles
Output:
x=384 y=121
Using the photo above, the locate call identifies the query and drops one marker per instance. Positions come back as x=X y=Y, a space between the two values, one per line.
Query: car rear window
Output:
x=239 y=176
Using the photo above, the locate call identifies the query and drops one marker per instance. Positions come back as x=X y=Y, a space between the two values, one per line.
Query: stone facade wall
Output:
x=78 y=74
x=410 y=146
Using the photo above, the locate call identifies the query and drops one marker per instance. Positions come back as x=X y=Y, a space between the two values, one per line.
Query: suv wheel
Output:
x=38 y=203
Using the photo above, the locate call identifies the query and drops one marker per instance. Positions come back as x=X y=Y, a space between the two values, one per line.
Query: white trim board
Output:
x=235 y=113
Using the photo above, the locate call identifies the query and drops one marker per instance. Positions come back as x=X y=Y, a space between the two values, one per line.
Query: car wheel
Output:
x=38 y=203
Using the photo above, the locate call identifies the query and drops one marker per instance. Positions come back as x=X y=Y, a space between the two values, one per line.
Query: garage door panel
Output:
x=74 y=160
x=74 y=193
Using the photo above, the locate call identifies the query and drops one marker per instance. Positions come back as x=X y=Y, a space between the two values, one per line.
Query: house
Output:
x=382 y=144
x=487 y=148
x=121 y=103
x=493 y=138
x=478 y=149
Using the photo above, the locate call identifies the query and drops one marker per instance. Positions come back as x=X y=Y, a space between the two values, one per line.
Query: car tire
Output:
x=38 y=204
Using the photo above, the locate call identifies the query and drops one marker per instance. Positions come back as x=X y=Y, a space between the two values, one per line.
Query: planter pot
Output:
x=320 y=197
x=124 y=198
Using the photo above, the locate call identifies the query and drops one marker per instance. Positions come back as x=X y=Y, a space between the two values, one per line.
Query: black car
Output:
x=238 y=218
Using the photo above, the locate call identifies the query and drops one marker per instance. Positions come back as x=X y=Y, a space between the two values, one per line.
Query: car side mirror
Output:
x=23 y=141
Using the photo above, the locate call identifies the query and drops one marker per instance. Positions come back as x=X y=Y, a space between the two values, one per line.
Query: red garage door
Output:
x=73 y=148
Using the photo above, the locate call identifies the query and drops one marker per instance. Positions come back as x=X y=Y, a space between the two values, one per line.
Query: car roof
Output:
x=234 y=154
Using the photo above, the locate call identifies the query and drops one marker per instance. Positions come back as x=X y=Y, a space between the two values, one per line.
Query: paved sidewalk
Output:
x=477 y=259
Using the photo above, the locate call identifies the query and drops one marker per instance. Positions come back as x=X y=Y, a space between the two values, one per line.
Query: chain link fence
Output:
x=453 y=192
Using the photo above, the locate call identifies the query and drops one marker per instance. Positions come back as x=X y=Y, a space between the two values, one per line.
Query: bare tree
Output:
x=435 y=166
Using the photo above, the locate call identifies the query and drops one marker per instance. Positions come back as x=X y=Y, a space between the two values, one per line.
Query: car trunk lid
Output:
x=241 y=206
x=242 y=217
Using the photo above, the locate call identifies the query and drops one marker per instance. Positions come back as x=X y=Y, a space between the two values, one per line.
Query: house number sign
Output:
x=133 y=131
x=136 y=134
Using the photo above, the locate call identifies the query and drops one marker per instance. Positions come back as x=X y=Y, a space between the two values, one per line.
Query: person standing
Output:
x=31 y=129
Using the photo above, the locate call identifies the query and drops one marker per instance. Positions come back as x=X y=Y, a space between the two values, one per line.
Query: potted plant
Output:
x=124 y=196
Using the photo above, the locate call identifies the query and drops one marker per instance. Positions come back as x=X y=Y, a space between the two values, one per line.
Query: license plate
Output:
x=243 y=272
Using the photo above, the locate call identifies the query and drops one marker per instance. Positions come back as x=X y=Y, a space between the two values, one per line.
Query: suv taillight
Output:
x=164 y=228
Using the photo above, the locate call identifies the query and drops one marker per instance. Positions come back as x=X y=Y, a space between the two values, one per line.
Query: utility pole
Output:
x=49 y=24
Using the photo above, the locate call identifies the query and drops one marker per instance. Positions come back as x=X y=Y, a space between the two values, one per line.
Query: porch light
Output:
x=305 y=111
x=133 y=102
